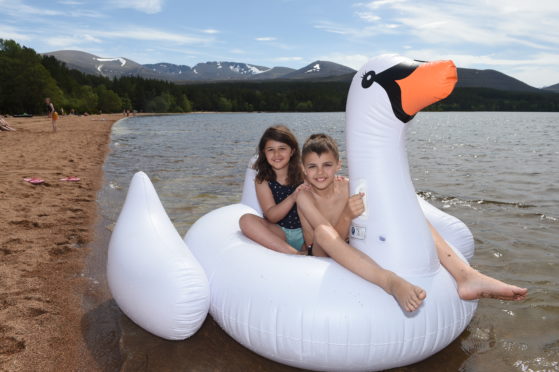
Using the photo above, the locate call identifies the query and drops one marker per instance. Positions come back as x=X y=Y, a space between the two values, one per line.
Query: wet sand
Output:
x=45 y=230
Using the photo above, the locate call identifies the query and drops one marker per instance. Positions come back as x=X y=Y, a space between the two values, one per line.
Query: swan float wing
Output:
x=152 y=275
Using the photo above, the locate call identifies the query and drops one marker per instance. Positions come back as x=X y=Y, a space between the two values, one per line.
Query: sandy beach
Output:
x=45 y=230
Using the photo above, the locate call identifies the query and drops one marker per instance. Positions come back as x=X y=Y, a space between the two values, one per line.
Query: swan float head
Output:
x=384 y=96
x=410 y=85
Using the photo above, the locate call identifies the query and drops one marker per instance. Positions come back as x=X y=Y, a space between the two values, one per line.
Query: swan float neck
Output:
x=385 y=95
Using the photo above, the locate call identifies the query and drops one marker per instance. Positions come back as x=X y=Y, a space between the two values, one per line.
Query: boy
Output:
x=326 y=211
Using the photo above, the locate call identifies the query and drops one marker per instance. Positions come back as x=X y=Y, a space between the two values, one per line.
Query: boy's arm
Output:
x=353 y=208
x=273 y=212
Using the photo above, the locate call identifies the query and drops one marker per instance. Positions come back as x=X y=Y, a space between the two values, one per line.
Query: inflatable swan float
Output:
x=308 y=312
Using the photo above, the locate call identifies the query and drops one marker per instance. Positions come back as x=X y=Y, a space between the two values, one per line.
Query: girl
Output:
x=278 y=180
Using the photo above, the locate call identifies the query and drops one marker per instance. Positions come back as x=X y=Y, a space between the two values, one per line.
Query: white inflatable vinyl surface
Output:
x=307 y=312
x=152 y=275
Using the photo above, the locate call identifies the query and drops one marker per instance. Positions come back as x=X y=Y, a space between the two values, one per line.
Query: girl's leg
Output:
x=471 y=283
x=53 y=125
x=265 y=233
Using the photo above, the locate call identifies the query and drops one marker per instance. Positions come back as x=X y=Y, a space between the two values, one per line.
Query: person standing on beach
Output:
x=53 y=115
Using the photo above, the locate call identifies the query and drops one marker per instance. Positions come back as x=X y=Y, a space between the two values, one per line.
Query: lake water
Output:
x=497 y=172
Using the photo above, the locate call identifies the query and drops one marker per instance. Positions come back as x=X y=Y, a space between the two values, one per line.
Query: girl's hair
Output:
x=320 y=143
x=264 y=171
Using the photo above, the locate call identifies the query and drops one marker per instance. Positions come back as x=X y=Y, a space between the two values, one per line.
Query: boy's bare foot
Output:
x=477 y=285
x=408 y=295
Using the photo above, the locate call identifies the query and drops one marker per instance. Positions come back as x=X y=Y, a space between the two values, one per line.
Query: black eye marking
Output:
x=368 y=79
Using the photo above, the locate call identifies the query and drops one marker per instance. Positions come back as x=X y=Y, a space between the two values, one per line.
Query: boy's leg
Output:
x=265 y=233
x=408 y=295
x=471 y=283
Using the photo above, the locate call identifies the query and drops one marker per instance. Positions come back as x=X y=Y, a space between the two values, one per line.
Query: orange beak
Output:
x=429 y=83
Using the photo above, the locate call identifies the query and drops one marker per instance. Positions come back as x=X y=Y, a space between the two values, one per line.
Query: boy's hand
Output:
x=355 y=206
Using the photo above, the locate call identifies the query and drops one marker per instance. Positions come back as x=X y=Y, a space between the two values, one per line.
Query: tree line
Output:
x=27 y=77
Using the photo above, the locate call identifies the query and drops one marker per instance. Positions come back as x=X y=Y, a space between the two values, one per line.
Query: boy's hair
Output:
x=264 y=171
x=321 y=143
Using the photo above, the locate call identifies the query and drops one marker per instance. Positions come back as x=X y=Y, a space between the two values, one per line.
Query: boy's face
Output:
x=320 y=171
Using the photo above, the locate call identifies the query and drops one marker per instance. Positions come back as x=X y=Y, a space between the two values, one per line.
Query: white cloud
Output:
x=266 y=38
x=380 y=3
x=539 y=78
x=19 y=10
x=146 y=6
x=7 y=32
x=210 y=31
x=287 y=59
x=369 y=17
x=355 y=61
x=516 y=37
x=476 y=22
x=71 y=41
x=151 y=35
x=64 y=42
x=85 y=13
x=356 y=32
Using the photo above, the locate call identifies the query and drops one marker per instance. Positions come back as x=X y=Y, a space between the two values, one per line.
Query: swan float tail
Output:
x=152 y=275
x=385 y=95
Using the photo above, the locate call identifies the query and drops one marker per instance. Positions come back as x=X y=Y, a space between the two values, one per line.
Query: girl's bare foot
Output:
x=408 y=295
x=477 y=285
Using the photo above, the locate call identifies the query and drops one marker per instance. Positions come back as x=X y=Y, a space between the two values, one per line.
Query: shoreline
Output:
x=44 y=245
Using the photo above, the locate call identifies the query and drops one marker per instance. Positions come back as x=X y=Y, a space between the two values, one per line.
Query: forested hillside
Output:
x=26 y=78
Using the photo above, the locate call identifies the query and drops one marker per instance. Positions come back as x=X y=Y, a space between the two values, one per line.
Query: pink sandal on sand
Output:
x=34 y=181
x=70 y=179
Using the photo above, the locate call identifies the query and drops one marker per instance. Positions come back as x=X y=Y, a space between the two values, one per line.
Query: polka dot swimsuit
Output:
x=280 y=192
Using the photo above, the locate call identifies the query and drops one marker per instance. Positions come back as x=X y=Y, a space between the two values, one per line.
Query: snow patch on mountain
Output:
x=255 y=70
x=121 y=60
x=315 y=68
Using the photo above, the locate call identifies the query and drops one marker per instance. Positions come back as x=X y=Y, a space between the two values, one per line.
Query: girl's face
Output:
x=277 y=154
x=320 y=171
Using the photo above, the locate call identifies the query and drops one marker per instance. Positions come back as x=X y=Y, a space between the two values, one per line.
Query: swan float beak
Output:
x=418 y=90
x=413 y=85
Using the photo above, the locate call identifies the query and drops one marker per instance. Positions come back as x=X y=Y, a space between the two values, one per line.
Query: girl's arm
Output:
x=308 y=234
x=273 y=212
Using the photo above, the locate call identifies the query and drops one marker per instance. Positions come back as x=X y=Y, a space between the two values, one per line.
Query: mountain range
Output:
x=238 y=71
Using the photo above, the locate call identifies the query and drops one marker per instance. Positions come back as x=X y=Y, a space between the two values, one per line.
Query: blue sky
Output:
x=519 y=38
